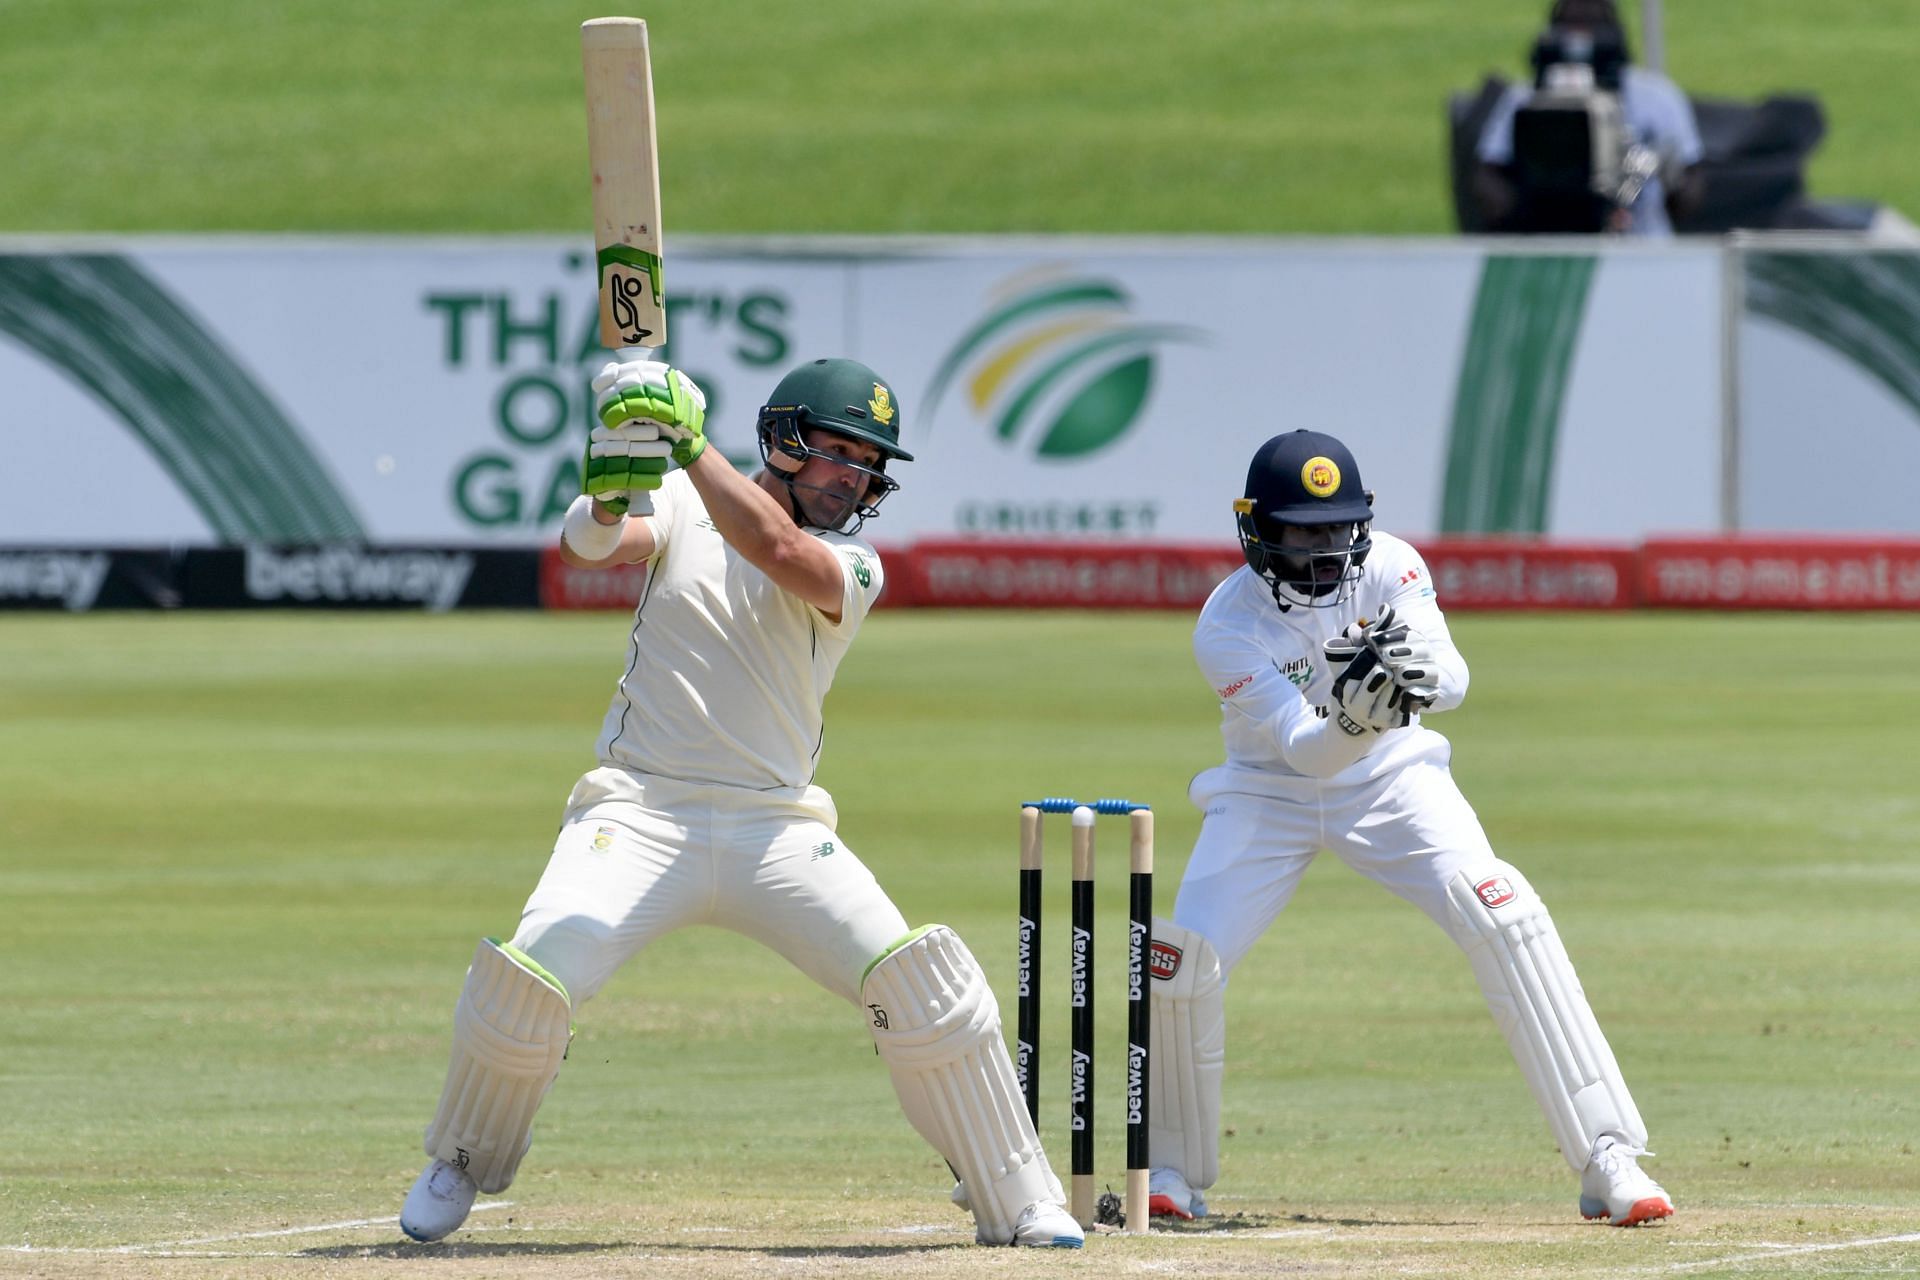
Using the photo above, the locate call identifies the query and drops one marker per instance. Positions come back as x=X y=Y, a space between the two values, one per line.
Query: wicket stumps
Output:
x=1139 y=1019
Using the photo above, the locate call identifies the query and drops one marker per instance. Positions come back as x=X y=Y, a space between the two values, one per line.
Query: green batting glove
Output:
x=688 y=447
x=608 y=479
x=646 y=410
x=648 y=393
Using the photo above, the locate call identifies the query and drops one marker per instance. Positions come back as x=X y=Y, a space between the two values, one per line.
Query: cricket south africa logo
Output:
x=1058 y=367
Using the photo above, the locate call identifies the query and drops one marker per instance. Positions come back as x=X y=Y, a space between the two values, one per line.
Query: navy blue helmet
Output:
x=1305 y=520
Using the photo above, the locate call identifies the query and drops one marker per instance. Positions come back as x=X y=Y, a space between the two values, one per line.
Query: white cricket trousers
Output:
x=1408 y=831
x=639 y=855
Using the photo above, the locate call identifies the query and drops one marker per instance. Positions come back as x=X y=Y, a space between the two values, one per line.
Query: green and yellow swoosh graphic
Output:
x=1071 y=342
x=1864 y=306
x=235 y=455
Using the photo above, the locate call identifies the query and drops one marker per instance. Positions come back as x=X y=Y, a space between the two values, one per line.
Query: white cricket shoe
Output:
x=440 y=1200
x=1615 y=1187
x=1045 y=1225
x=1170 y=1196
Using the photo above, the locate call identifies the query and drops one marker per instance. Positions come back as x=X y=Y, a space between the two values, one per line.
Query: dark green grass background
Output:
x=244 y=861
x=1280 y=116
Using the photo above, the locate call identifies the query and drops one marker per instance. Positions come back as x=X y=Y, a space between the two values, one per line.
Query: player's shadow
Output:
x=476 y=1249
x=1223 y=1222
x=537 y=1249
x=824 y=1250
x=1311 y=1220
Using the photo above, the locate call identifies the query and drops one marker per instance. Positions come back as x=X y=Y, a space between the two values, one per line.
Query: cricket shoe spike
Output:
x=439 y=1202
x=1047 y=1226
x=1616 y=1188
x=1170 y=1196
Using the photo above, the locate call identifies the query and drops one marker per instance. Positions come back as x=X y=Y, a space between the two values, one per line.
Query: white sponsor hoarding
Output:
x=435 y=391
x=1829 y=390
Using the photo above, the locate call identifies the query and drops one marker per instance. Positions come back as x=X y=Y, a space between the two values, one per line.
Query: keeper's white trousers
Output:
x=639 y=855
x=1412 y=832
x=1409 y=831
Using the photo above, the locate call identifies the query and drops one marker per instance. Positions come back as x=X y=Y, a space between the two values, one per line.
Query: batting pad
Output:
x=1189 y=1055
x=937 y=1027
x=1529 y=983
x=510 y=1031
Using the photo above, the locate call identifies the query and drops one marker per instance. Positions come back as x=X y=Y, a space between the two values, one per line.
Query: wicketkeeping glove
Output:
x=1364 y=704
x=649 y=412
x=1352 y=663
x=1410 y=657
x=1384 y=645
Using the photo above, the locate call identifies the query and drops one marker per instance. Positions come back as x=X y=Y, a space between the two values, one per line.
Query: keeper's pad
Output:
x=1529 y=983
x=937 y=1026
x=1189 y=1054
x=510 y=1031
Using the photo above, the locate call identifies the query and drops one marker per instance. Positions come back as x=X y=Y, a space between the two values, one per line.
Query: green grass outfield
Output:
x=245 y=859
x=1274 y=116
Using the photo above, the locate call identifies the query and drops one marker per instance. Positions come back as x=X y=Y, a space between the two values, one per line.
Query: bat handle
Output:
x=639 y=501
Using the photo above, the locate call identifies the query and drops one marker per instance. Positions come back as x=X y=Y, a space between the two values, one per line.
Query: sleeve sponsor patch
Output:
x=1415 y=583
x=1234 y=687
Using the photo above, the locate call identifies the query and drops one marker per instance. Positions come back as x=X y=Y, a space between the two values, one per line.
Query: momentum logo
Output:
x=1058 y=367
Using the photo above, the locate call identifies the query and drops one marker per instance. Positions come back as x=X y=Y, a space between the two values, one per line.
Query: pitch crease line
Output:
x=304 y=1231
x=352 y=1225
x=1767 y=1252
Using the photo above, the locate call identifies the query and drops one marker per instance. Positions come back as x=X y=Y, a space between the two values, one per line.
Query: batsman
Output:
x=1328 y=653
x=703 y=809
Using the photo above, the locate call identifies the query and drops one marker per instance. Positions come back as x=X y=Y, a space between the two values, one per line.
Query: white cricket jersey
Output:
x=1269 y=671
x=726 y=672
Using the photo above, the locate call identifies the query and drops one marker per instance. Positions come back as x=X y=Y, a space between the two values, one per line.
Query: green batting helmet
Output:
x=839 y=395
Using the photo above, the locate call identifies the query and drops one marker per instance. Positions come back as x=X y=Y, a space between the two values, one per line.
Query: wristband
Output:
x=590 y=539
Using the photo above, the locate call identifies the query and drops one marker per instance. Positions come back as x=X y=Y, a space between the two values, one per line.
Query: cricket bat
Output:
x=626 y=190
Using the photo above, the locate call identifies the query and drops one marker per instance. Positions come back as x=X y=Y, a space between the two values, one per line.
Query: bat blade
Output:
x=626 y=181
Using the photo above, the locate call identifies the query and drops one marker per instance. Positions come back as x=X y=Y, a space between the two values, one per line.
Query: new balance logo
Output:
x=822 y=851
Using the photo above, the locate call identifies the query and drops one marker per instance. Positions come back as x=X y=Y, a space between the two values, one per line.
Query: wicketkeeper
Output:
x=1328 y=651
x=703 y=809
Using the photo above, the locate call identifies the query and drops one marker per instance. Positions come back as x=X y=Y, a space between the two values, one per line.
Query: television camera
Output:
x=1575 y=164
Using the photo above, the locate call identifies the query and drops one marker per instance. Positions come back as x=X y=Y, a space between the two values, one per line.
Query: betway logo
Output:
x=347 y=574
x=1023 y=974
x=71 y=577
x=1082 y=958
